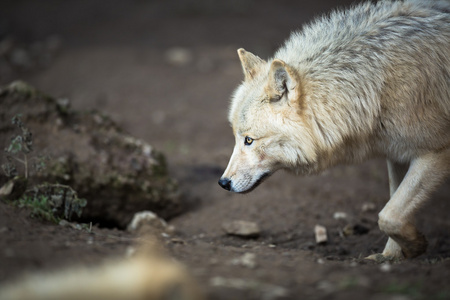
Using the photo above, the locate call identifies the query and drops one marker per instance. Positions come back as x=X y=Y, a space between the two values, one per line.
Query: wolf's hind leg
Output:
x=396 y=172
x=396 y=218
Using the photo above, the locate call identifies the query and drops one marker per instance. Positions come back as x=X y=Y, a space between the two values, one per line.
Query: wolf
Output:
x=370 y=81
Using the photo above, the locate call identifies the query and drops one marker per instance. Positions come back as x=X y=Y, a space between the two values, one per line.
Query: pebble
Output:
x=146 y=218
x=6 y=189
x=247 y=260
x=386 y=267
x=320 y=233
x=179 y=56
x=339 y=215
x=65 y=223
x=242 y=228
x=369 y=207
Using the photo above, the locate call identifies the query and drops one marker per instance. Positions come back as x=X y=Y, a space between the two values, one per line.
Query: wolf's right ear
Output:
x=283 y=80
x=250 y=63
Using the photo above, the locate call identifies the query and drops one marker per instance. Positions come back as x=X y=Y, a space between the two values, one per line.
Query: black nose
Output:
x=225 y=183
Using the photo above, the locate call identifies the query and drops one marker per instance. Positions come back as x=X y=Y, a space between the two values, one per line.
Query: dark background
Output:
x=164 y=71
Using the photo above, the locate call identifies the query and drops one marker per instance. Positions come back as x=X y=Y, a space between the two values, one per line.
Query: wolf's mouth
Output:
x=257 y=182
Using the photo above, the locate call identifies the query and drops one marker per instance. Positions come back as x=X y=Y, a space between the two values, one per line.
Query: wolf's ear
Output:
x=282 y=80
x=250 y=63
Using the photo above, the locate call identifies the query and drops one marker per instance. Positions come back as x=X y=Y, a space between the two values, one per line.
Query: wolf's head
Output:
x=267 y=115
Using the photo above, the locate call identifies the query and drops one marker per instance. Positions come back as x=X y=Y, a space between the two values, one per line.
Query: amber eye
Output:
x=248 y=141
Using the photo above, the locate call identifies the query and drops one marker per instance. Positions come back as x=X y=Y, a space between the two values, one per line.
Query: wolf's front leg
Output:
x=397 y=217
x=396 y=172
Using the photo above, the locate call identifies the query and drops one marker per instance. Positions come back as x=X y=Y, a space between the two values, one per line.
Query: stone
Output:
x=320 y=233
x=242 y=228
x=368 y=207
x=385 y=267
x=146 y=218
x=178 y=56
x=339 y=215
x=247 y=260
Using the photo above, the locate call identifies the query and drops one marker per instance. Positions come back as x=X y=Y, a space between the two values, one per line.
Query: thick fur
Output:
x=366 y=82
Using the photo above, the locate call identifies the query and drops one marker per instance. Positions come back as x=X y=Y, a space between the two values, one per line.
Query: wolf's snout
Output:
x=225 y=183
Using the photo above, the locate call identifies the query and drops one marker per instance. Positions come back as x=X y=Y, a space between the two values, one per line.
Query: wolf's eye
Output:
x=248 y=141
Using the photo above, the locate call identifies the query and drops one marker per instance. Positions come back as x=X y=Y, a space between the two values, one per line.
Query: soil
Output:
x=164 y=71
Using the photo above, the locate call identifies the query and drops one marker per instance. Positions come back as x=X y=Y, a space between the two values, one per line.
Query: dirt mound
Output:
x=117 y=173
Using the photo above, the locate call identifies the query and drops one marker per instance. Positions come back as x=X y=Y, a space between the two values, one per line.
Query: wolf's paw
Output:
x=381 y=258
x=416 y=247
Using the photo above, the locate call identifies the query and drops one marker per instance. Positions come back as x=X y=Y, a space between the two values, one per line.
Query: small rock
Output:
x=178 y=56
x=386 y=267
x=65 y=223
x=241 y=228
x=6 y=189
x=64 y=104
x=247 y=260
x=348 y=230
x=369 y=207
x=146 y=218
x=339 y=215
x=14 y=188
x=320 y=233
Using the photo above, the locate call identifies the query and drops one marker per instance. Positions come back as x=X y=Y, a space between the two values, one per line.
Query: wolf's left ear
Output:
x=282 y=80
x=250 y=63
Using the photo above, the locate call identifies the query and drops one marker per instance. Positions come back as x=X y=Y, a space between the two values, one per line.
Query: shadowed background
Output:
x=164 y=71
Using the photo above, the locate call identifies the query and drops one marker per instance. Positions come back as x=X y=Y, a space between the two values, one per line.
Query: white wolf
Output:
x=370 y=81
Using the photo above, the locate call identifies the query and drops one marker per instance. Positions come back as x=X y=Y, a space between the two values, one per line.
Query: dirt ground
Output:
x=164 y=71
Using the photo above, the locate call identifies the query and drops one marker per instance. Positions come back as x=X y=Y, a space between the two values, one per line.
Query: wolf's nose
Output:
x=225 y=183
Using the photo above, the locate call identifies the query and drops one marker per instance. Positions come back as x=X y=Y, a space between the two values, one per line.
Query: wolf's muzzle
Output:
x=225 y=183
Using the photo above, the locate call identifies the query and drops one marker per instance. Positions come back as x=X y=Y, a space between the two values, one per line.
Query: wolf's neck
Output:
x=343 y=111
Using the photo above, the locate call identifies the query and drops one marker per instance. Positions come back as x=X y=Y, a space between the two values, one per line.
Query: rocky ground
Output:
x=164 y=72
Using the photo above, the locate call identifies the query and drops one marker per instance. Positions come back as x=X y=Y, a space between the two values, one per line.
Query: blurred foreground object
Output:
x=144 y=277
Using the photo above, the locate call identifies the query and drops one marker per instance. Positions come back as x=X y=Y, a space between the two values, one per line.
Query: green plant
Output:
x=39 y=206
x=52 y=202
x=19 y=149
